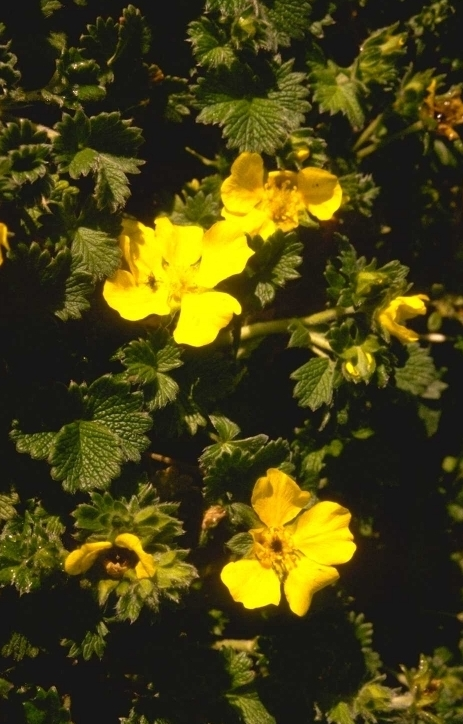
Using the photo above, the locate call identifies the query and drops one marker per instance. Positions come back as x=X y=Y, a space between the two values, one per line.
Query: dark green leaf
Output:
x=336 y=90
x=98 y=252
x=314 y=383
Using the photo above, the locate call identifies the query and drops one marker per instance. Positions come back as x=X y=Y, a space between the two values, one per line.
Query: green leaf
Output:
x=201 y=209
x=242 y=696
x=93 y=643
x=256 y=112
x=77 y=290
x=30 y=549
x=251 y=708
x=9 y=74
x=103 y=145
x=336 y=90
x=211 y=45
x=98 y=252
x=110 y=403
x=46 y=708
x=85 y=455
x=314 y=383
x=147 y=362
x=340 y=714
x=18 y=647
x=290 y=19
x=37 y=445
x=418 y=373
x=7 y=505
x=275 y=263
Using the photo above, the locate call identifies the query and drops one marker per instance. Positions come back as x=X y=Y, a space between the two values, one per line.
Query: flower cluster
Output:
x=294 y=547
x=175 y=269
x=263 y=203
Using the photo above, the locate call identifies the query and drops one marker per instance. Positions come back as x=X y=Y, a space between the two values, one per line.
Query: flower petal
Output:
x=245 y=187
x=305 y=579
x=140 y=249
x=253 y=223
x=251 y=584
x=80 y=560
x=146 y=566
x=399 y=310
x=277 y=499
x=203 y=315
x=3 y=240
x=180 y=246
x=225 y=252
x=134 y=301
x=323 y=535
x=320 y=191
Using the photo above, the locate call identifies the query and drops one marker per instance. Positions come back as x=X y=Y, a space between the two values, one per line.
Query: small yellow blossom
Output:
x=294 y=548
x=175 y=268
x=263 y=203
x=3 y=240
x=399 y=310
x=115 y=561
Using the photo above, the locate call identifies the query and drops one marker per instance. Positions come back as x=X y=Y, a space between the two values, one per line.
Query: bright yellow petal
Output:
x=140 y=250
x=322 y=534
x=134 y=301
x=320 y=191
x=325 y=210
x=80 y=560
x=305 y=579
x=245 y=187
x=146 y=566
x=203 y=315
x=3 y=240
x=225 y=252
x=251 y=584
x=277 y=499
x=181 y=245
x=253 y=223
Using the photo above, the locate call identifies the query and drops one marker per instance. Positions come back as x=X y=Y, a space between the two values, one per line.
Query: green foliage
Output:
x=256 y=111
x=30 y=549
x=273 y=264
x=337 y=90
x=87 y=453
x=419 y=375
x=104 y=145
x=243 y=695
x=315 y=381
x=147 y=361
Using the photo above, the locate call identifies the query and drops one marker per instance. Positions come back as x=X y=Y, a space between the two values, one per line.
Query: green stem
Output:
x=368 y=132
x=414 y=128
x=280 y=326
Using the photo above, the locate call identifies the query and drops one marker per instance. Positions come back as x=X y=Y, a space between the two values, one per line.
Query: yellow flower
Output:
x=3 y=240
x=399 y=310
x=115 y=561
x=293 y=548
x=174 y=268
x=264 y=204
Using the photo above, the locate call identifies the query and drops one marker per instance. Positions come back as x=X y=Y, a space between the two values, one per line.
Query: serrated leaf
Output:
x=37 y=444
x=7 y=503
x=419 y=371
x=314 y=383
x=211 y=45
x=86 y=455
x=18 y=647
x=77 y=290
x=275 y=262
x=46 y=708
x=255 y=114
x=97 y=251
x=290 y=19
x=251 y=708
x=341 y=713
x=111 y=404
x=336 y=90
x=200 y=209
x=147 y=362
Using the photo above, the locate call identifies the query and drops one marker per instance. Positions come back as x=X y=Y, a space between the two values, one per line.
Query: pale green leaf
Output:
x=314 y=383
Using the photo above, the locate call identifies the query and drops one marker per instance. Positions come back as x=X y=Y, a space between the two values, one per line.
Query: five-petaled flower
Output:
x=125 y=554
x=3 y=240
x=399 y=310
x=175 y=268
x=294 y=547
x=263 y=203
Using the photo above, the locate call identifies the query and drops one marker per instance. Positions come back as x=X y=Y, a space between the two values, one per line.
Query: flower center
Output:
x=118 y=560
x=179 y=281
x=282 y=201
x=273 y=548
